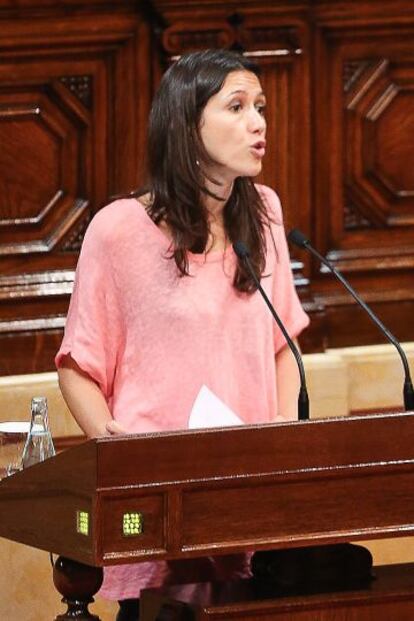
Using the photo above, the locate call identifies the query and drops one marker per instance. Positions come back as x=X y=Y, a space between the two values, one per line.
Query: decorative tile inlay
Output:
x=82 y=522
x=132 y=524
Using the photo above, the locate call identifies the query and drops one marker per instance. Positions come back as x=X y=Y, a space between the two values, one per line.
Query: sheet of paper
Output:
x=209 y=411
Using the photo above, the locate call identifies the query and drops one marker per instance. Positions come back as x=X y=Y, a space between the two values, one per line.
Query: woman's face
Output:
x=233 y=127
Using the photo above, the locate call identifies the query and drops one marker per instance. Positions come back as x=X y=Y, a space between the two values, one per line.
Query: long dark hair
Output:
x=176 y=158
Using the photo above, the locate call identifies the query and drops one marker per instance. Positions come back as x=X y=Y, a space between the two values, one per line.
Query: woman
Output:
x=162 y=306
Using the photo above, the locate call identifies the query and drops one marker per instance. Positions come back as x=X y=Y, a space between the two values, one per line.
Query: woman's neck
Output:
x=215 y=208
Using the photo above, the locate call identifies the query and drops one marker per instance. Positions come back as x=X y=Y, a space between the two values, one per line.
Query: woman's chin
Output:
x=252 y=171
x=229 y=175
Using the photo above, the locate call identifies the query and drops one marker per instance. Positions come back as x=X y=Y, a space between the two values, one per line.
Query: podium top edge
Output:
x=328 y=421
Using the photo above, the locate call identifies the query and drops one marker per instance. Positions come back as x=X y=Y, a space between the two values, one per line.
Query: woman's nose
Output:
x=256 y=122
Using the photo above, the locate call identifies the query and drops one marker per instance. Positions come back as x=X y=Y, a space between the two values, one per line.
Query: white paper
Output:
x=209 y=411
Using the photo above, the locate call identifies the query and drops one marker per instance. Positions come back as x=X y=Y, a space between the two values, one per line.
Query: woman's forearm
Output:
x=84 y=399
x=288 y=385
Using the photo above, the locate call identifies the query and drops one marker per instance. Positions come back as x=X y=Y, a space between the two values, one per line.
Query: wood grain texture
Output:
x=219 y=491
x=72 y=87
x=76 y=82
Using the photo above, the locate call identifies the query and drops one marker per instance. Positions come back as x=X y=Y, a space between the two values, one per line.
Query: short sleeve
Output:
x=284 y=296
x=93 y=331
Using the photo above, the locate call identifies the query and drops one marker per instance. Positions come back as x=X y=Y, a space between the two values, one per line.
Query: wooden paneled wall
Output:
x=75 y=87
x=76 y=81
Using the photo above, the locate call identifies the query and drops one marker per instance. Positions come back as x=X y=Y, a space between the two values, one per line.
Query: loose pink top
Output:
x=151 y=339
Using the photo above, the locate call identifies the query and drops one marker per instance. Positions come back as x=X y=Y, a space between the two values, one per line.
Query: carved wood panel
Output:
x=70 y=97
x=378 y=132
x=75 y=90
x=363 y=211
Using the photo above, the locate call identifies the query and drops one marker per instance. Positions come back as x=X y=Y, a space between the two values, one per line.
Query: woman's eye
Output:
x=261 y=108
x=236 y=107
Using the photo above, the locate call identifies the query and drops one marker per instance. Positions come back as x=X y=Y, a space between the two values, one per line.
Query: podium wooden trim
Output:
x=218 y=491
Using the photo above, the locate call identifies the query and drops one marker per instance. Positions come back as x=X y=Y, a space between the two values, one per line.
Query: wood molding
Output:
x=73 y=137
x=75 y=93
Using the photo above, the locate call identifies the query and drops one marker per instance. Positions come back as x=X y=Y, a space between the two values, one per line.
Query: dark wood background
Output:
x=76 y=81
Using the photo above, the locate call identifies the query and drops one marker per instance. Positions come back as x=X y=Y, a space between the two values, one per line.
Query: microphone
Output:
x=303 y=399
x=296 y=237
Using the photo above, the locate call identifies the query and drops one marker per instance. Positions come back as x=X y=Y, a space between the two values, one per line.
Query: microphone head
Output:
x=297 y=237
x=241 y=250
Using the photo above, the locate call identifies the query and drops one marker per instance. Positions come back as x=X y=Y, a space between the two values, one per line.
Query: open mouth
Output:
x=259 y=148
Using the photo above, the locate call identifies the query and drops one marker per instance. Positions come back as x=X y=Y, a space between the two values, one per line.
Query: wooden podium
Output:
x=195 y=493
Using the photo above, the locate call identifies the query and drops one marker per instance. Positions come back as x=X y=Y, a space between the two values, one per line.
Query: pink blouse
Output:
x=151 y=339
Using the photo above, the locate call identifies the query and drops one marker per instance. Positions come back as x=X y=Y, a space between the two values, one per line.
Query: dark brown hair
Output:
x=176 y=156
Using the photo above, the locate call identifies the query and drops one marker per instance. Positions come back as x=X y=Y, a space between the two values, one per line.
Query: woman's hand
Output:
x=115 y=429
